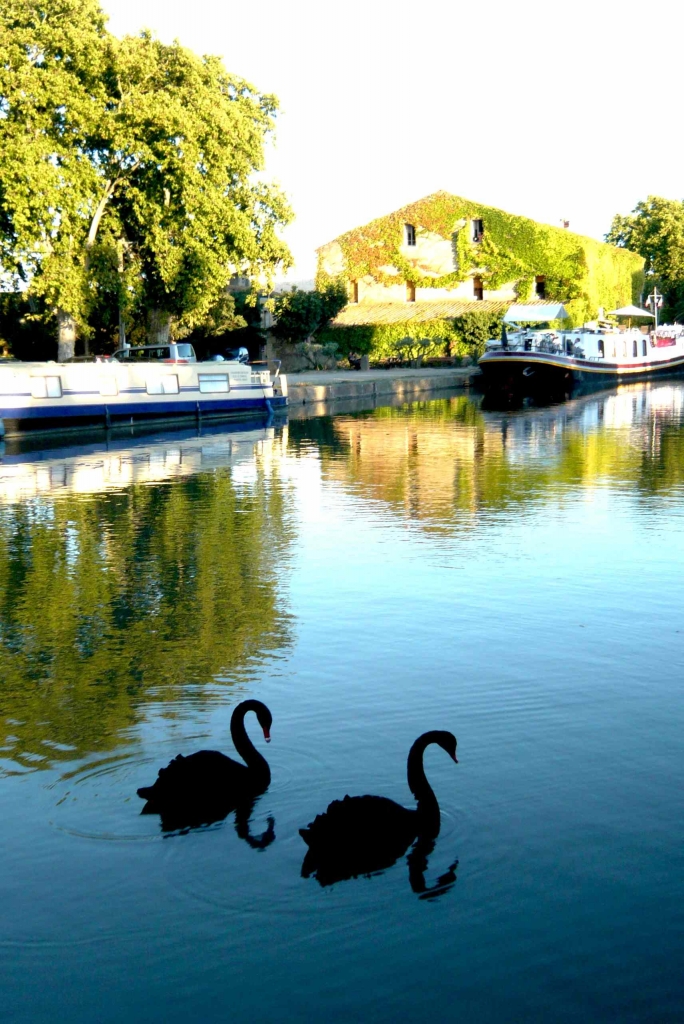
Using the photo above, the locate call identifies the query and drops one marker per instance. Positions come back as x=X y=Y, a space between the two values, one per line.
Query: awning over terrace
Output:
x=519 y=313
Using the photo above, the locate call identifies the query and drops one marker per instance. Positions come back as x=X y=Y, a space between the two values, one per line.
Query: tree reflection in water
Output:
x=111 y=601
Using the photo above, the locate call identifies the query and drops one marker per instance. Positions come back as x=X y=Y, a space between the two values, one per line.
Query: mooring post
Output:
x=198 y=413
x=108 y=419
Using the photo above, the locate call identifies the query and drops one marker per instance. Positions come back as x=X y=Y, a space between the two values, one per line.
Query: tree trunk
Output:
x=158 y=327
x=66 y=336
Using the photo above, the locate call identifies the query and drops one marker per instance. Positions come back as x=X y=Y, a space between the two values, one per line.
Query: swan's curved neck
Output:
x=428 y=808
x=244 y=746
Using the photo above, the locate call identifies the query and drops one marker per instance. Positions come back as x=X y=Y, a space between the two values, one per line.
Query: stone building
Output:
x=423 y=268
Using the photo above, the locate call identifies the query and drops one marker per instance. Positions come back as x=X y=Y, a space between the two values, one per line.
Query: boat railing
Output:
x=548 y=344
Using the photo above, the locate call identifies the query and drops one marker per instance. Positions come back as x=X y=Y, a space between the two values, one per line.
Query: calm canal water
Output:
x=516 y=578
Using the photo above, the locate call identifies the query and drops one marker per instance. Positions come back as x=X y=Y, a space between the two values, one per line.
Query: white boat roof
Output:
x=520 y=313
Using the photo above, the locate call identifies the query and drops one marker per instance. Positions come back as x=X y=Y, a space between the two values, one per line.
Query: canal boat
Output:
x=599 y=354
x=135 y=384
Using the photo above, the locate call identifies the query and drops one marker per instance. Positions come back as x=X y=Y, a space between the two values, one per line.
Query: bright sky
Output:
x=551 y=110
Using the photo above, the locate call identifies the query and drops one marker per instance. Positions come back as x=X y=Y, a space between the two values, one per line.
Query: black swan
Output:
x=204 y=787
x=364 y=834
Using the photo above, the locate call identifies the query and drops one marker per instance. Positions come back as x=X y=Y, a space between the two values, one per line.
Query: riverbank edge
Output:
x=331 y=386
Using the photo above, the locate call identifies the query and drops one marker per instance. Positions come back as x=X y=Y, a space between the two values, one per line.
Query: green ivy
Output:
x=581 y=272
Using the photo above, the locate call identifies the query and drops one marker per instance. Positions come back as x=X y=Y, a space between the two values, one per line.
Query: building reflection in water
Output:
x=440 y=463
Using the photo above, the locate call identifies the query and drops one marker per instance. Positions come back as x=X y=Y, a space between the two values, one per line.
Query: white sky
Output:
x=543 y=109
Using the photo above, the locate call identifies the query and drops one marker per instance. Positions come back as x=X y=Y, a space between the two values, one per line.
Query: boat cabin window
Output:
x=478 y=230
x=540 y=286
x=410 y=234
x=644 y=346
x=478 y=289
x=185 y=351
x=166 y=385
x=601 y=348
x=46 y=387
x=635 y=350
x=213 y=383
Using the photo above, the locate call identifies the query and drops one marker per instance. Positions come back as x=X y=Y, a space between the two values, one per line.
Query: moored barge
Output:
x=136 y=384
x=595 y=355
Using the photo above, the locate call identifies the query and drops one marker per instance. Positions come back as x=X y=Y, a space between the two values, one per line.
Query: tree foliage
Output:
x=299 y=314
x=655 y=230
x=127 y=169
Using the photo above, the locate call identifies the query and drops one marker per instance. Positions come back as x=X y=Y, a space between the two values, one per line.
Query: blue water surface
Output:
x=514 y=577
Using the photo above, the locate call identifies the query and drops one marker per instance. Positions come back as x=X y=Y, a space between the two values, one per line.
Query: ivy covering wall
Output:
x=583 y=273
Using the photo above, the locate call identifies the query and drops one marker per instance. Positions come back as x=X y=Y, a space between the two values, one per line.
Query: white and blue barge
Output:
x=149 y=383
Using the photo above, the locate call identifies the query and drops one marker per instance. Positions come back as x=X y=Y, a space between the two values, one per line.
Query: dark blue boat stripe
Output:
x=134 y=408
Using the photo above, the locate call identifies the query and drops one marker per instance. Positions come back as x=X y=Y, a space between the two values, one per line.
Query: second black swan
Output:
x=363 y=834
x=207 y=785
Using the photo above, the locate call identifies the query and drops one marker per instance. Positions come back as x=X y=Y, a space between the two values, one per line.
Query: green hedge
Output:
x=461 y=336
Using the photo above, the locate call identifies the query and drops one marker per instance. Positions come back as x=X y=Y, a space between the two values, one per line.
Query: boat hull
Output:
x=534 y=373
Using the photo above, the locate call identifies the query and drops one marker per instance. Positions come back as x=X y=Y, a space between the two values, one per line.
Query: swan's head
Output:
x=265 y=720
x=447 y=741
x=264 y=716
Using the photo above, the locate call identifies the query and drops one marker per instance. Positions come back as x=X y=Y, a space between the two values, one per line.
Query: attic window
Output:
x=540 y=286
x=478 y=289
x=478 y=230
x=410 y=292
x=410 y=234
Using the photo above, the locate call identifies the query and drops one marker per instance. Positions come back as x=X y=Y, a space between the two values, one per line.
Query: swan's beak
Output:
x=455 y=759
x=267 y=736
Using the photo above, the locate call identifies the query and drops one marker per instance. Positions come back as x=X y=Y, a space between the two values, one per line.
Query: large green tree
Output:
x=655 y=229
x=127 y=171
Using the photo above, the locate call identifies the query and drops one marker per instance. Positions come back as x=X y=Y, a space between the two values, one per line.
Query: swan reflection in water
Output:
x=203 y=788
x=363 y=835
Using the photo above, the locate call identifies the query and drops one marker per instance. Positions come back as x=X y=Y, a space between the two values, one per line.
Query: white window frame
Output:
x=206 y=382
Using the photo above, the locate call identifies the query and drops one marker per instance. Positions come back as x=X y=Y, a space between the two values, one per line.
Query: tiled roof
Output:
x=417 y=312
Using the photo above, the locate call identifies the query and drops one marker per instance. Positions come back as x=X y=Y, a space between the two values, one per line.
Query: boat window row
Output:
x=166 y=384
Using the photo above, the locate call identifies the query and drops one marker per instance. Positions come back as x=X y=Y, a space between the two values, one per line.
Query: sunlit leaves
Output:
x=145 y=150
